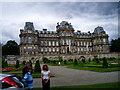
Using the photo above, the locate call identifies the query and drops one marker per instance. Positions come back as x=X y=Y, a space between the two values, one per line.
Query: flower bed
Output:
x=7 y=69
x=115 y=64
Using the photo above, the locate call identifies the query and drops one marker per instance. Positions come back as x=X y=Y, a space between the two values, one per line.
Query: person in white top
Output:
x=45 y=75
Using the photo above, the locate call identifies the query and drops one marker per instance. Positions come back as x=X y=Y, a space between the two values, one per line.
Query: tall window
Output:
x=29 y=40
x=104 y=40
x=57 y=43
x=53 y=43
x=49 y=43
x=57 y=49
x=67 y=41
x=53 y=49
x=49 y=49
x=41 y=49
x=63 y=42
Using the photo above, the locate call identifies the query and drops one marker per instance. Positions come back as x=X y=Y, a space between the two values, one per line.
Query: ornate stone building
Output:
x=62 y=41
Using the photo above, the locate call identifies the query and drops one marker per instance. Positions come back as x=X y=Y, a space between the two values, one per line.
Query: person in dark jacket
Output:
x=24 y=70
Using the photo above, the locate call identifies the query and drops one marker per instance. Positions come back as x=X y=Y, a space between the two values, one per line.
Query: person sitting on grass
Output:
x=28 y=78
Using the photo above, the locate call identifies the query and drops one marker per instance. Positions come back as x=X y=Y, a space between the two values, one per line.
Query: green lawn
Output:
x=90 y=66
x=114 y=85
x=94 y=68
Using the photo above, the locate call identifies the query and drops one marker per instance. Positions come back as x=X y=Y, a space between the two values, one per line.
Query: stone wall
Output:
x=67 y=57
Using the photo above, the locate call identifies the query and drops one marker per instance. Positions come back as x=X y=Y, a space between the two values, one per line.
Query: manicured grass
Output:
x=113 y=85
x=90 y=66
x=19 y=73
x=94 y=68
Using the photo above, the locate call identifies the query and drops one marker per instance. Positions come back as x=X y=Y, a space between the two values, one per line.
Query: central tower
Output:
x=66 y=34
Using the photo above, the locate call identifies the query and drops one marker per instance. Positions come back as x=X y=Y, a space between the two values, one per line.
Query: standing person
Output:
x=45 y=75
x=24 y=70
x=28 y=78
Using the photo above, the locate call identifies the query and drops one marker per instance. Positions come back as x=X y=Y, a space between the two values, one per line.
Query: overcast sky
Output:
x=84 y=16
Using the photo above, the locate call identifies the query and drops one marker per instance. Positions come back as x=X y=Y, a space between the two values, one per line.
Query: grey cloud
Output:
x=82 y=15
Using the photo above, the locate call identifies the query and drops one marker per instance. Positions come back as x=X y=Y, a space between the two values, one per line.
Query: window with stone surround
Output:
x=29 y=47
x=41 y=49
x=29 y=40
x=49 y=43
x=53 y=43
x=53 y=49
x=49 y=49
x=57 y=43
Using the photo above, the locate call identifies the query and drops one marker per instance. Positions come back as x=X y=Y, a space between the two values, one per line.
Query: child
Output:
x=28 y=78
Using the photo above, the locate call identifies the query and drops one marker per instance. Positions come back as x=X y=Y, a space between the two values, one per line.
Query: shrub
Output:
x=65 y=62
x=97 y=60
x=89 y=60
x=75 y=62
x=30 y=63
x=3 y=63
x=45 y=60
x=17 y=64
x=60 y=58
x=105 y=63
x=6 y=64
x=54 y=62
x=83 y=60
x=37 y=67
x=24 y=62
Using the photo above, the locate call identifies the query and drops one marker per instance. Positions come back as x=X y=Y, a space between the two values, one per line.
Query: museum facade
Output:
x=65 y=40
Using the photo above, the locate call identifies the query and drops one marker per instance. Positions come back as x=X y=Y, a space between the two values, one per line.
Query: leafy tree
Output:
x=115 y=45
x=10 y=48
x=37 y=67
x=17 y=64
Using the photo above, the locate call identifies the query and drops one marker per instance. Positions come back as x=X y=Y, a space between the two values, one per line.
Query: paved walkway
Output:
x=66 y=77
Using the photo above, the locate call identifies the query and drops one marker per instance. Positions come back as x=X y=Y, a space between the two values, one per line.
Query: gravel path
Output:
x=66 y=77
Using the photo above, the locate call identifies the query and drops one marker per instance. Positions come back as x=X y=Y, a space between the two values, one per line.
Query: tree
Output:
x=10 y=48
x=115 y=45
x=37 y=67
x=17 y=64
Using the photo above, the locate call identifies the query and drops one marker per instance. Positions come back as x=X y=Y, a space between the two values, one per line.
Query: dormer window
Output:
x=29 y=31
x=68 y=34
x=67 y=26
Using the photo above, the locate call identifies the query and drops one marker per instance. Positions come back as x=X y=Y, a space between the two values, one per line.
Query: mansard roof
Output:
x=99 y=30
